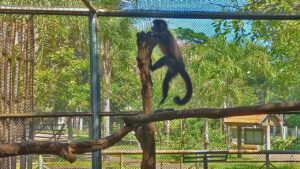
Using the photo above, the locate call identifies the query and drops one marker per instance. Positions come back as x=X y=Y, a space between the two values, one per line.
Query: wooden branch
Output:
x=68 y=150
x=64 y=150
x=146 y=133
x=278 y=108
x=89 y=5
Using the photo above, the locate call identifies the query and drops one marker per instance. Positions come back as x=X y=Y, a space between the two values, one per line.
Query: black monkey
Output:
x=172 y=59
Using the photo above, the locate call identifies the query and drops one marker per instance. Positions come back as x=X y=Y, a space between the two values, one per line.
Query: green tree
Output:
x=283 y=40
x=119 y=79
x=189 y=36
x=61 y=82
x=62 y=55
x=281 y=37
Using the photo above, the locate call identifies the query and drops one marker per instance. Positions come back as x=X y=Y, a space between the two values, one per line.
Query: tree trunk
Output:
x=261 y=93
x=17 y=47
x=146 y=133
x=3 y=83
x=106 y=66
x=206 y=134
x=106 y=119
x=70 y=128
x=228 y=137
x=183 y=127
x=167 y=130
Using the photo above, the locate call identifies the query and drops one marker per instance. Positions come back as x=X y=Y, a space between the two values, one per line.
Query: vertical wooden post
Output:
x=146 y=133
x=268 y=139
x=239 y=140
x=281 y=129
x=228 y=140
x=268 y=134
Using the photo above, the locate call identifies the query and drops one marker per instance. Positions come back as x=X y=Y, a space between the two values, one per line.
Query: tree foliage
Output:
x=244 y=63
x=280 y=38
x=62 y=82
x=62 y=71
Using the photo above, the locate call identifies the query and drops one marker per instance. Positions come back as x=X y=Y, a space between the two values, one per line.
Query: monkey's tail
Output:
x=188 y=86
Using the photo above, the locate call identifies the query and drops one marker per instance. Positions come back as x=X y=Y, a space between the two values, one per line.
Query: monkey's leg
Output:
x=165 y=89
x=158 y=64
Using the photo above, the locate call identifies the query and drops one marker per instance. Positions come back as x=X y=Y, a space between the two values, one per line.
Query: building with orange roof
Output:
x=256 y=130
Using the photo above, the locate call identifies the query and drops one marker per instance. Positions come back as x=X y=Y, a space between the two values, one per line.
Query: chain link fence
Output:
x=45 y=76
x=127 y=153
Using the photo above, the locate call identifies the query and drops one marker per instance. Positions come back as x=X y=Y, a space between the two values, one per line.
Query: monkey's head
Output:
x=159 y=26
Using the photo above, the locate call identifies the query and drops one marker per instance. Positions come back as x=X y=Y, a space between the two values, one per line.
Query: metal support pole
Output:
x=95 y=87
x=267 y=160
x=205 y=160
x=150 y=13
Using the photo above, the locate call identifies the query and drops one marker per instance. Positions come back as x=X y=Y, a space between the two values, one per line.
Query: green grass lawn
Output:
x=132 y=162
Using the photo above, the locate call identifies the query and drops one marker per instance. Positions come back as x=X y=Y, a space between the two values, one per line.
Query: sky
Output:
x=197 y=25
x=183 y=5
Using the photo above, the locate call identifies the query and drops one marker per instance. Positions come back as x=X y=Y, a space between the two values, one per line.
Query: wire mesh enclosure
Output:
x=237 y=53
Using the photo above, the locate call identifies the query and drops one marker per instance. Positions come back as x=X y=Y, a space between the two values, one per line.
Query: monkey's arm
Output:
x=160 y=63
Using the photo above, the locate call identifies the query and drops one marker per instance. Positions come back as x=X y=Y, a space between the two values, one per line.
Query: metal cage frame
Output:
x=91 y=12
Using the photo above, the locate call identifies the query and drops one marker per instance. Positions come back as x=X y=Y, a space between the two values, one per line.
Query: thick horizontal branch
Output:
x=132 y=113
x=64 y=150
x=278 y=108
x=68 y=150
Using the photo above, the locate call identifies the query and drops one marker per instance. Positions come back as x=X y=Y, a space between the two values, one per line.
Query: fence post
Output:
x=205 y=160
x=268 y=137
x=181 y=160
x=121 y=161
x=239 y=140
x=267 y=160
x=95 y=86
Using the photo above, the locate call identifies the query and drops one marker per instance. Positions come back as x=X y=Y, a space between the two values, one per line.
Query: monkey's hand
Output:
x=151 y=67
